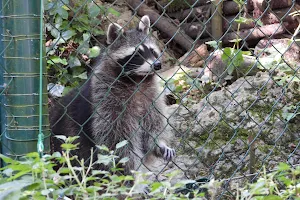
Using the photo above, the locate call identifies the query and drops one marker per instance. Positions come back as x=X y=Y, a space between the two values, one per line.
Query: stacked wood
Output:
x=195 y=58
x=229 y=7
x=195 y=22
x=162 y=24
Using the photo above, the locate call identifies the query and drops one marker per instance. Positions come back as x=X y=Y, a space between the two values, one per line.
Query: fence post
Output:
x=1 y=75
x=21 y=21
x=217 y=20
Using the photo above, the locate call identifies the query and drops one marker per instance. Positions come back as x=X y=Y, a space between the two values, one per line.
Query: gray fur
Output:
x=137 y=104
x=123 y=106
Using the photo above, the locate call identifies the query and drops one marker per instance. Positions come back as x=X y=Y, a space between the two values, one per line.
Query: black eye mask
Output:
x=137 y=59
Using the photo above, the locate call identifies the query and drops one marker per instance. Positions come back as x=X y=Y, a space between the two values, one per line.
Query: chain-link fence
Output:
x=230 y=76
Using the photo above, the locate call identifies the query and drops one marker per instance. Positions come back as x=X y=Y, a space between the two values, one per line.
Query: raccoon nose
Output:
x=157 y=65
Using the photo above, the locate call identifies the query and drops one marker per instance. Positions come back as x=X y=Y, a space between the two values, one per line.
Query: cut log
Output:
x=195 y=58
x=177 y=5
x=229 y=8
x=274 y=17
x=256 y=33
x=162 y=24
x=199 y=12
x=277 y=16
x=259 y=32
x=196 y=28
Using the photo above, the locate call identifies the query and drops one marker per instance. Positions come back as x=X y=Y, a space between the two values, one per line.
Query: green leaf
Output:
x=81 y=76
x=272 y=197
x=213 y=44
x=57 y=60
x=243 y=20
x=288 y=116
x=247 y=53
x=121 y=144
x=72 y=139
x=74 y=61
x=94 y=10
x=104 y=159
x=7 y=159
x=103 y=147
x=19 y=174
x=33 y=186
x=124 y=160
x=12 y=190
x=45 y=192
x=32 y=155
x=48 y=5
x=155 y=186
x=259 y=23
x=233 y=58
x=94 y=52
x=66 y=35
x=115 y=178
x=62 y=12
x=113 y=11
x=283 y=167
x=56 y=155
x=68 y=146
x=64 y=170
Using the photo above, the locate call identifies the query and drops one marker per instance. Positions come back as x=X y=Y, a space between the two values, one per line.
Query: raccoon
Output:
x=120 y=101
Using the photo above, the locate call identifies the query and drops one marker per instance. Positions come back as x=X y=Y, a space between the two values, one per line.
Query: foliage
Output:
x=279 y=185
x=187 y=89
x=70 y=26
x=33 y=177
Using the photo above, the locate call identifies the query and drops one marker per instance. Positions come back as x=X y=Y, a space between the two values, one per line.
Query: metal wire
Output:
x=71 y=34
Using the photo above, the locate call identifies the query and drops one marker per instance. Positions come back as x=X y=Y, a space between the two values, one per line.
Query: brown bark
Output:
x=195 y=58
x=229 y=8
x=268 y=18
x=199 y=12
x=177 y=5
x=196 y=28
x=256 y=33
x=259 y=32
x=162 y=23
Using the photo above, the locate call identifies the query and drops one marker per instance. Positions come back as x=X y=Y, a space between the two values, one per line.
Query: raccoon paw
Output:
x=167 y=153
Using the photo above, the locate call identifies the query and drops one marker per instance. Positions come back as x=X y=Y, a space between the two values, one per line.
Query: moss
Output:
x=263 y=111
x=219 y=135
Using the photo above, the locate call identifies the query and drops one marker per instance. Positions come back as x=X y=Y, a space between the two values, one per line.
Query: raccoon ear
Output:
x=144 y=24
x=113 y=32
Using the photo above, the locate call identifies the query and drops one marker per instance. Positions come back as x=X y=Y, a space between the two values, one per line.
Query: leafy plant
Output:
x=278 y=185
x=33 y=177
x=70 y=26
x=187 y=89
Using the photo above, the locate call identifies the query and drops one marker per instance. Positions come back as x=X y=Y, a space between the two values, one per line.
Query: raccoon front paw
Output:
x=167 y=153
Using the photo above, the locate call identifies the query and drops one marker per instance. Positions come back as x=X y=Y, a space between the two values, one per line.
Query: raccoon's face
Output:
x=134 y=51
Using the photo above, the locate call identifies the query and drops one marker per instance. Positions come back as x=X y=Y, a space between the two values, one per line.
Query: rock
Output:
x=216 y=67
x=215 y=134
x=289 y=50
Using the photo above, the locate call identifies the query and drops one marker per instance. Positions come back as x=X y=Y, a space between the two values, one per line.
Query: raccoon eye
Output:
x=154 y=53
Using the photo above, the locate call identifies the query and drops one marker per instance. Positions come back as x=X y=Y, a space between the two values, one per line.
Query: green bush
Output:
x=33 y=177
x=70 y=26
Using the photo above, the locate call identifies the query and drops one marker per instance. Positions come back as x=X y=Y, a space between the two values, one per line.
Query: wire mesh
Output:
x=232 y=70
x=20 y=79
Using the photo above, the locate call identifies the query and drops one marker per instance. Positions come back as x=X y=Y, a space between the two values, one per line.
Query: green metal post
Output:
x=21 y=60
x=1 y=75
